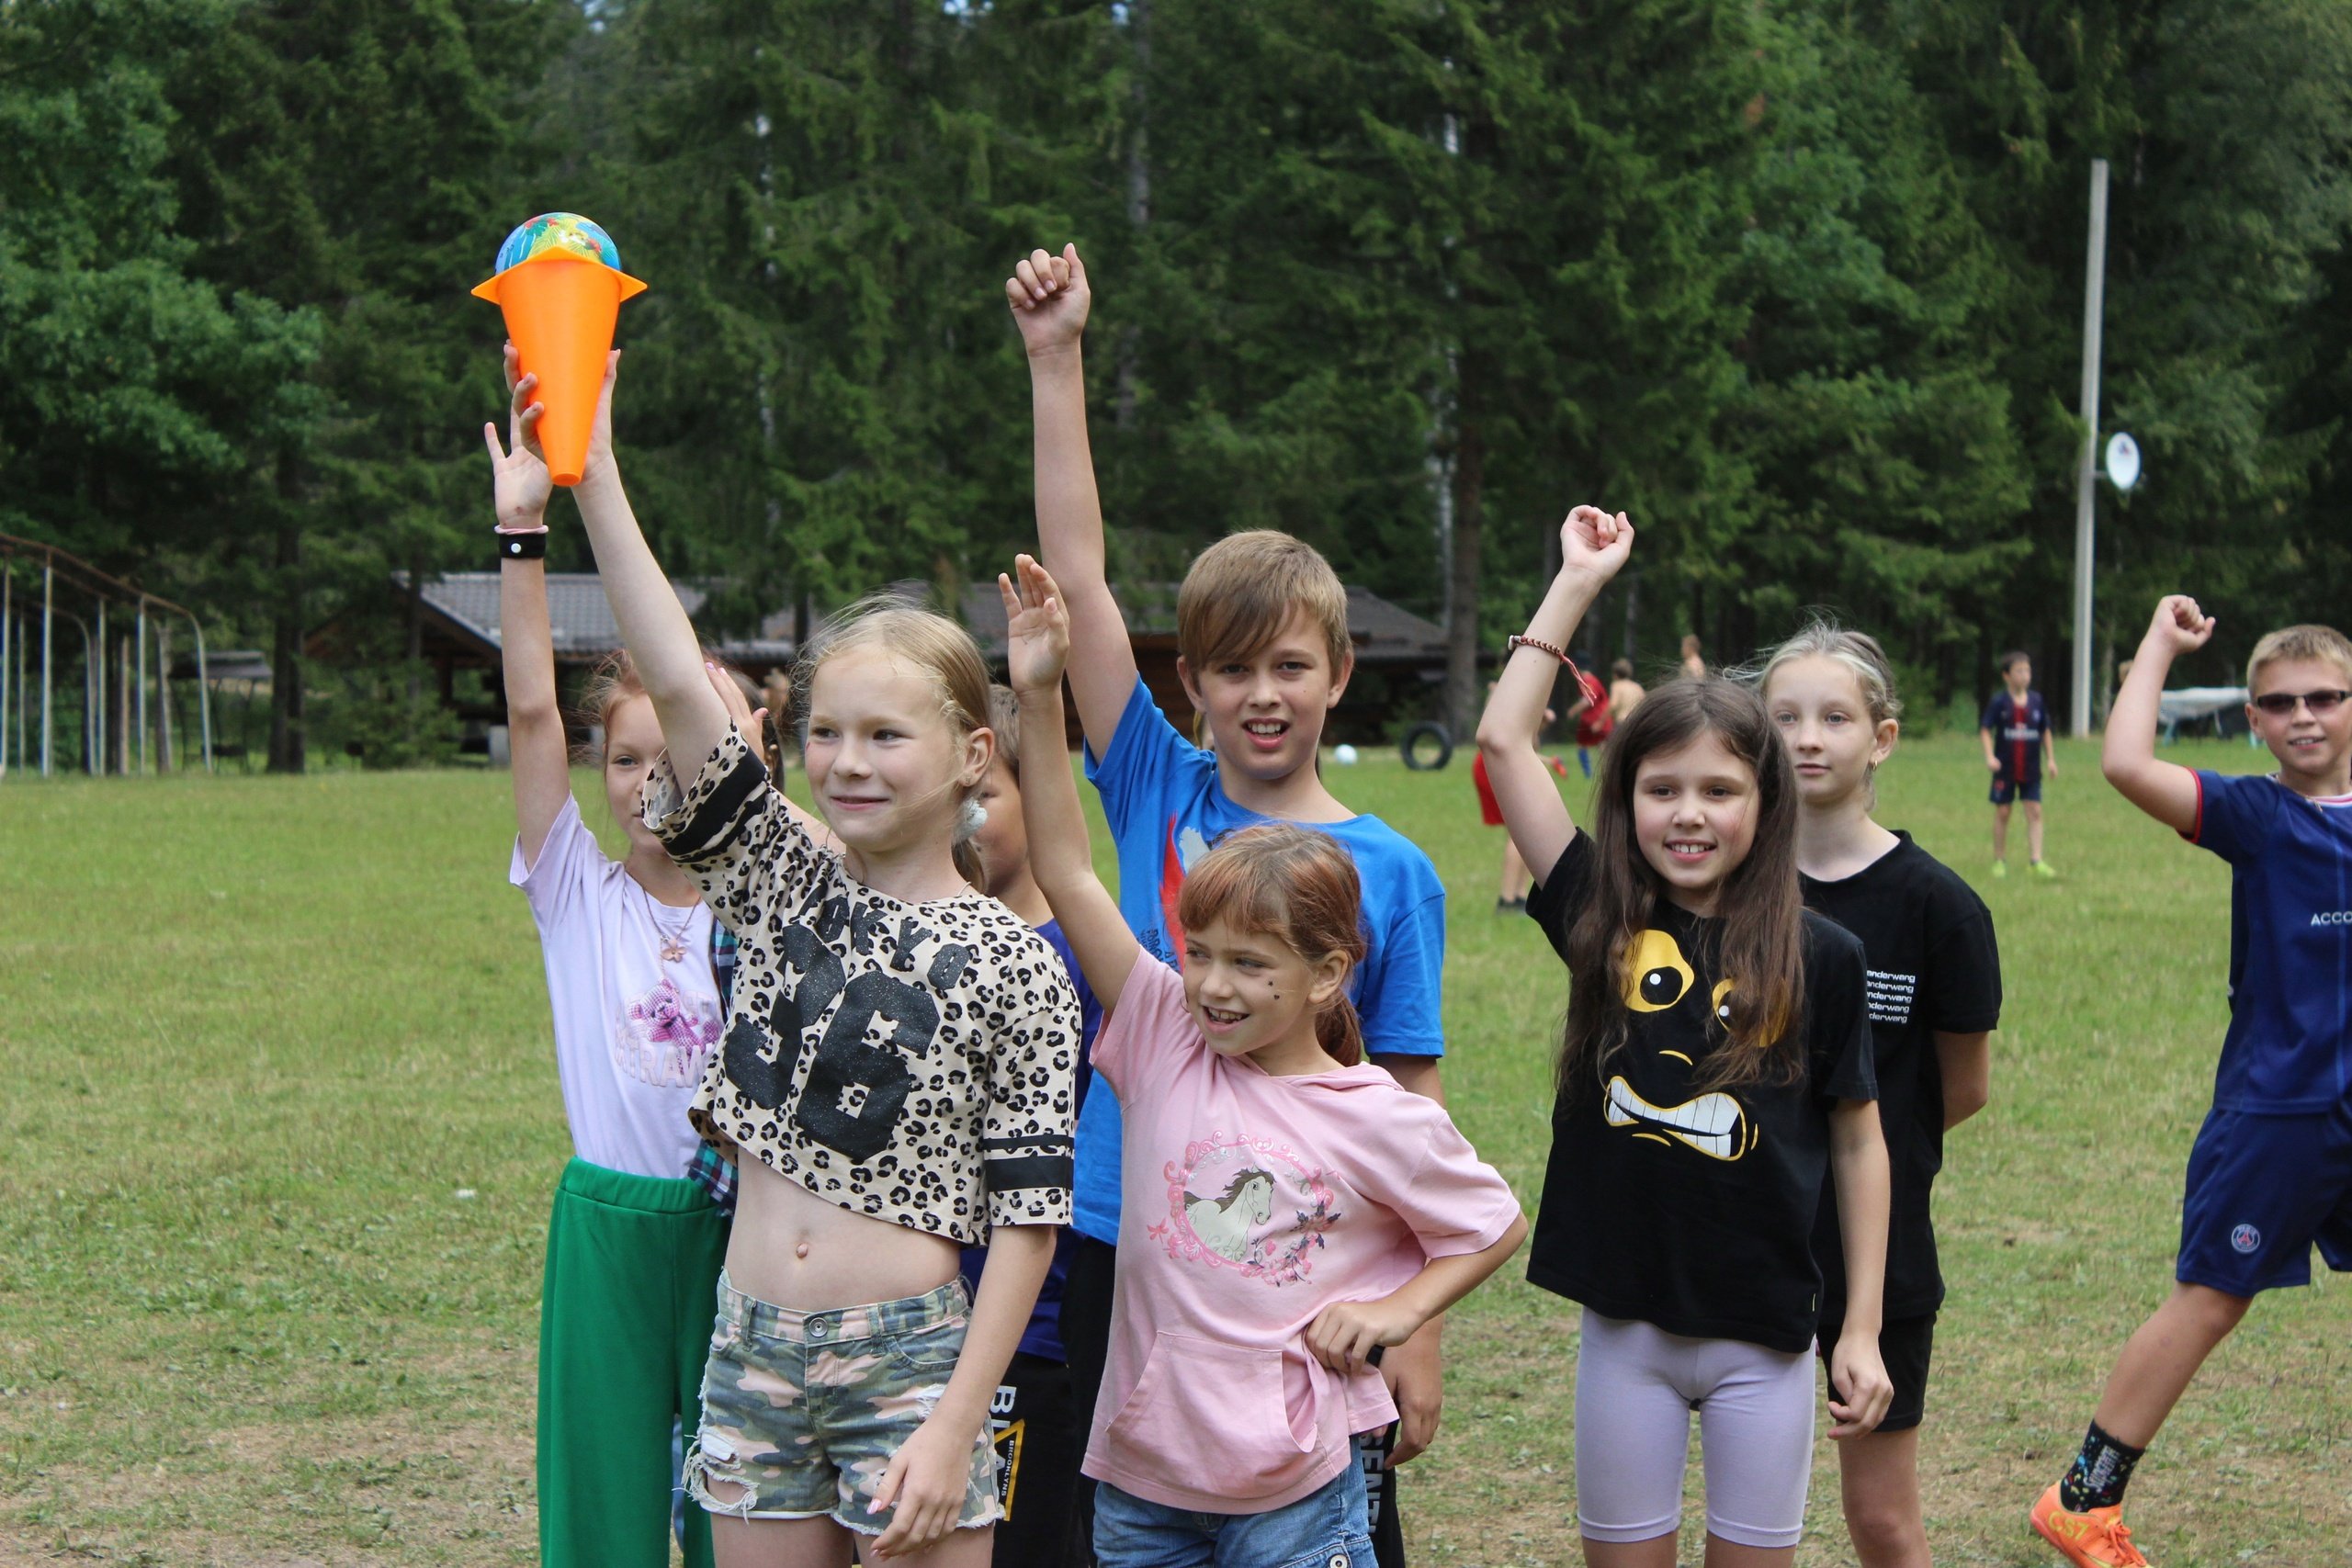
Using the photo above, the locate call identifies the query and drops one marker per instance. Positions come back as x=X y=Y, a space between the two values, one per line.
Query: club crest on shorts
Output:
x=2246 y=1238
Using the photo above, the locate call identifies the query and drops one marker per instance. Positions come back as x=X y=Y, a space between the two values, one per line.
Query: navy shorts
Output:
x=2262 y=1190
x=2006 y=789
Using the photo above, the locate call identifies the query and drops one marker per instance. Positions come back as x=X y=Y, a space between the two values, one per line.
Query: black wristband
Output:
x=522 y=546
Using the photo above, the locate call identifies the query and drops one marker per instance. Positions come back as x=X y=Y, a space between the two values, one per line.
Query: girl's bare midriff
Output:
x=793 y=1250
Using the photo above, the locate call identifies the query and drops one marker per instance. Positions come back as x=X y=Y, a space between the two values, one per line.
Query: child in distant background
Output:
x=1511 y=892
x=1594 y=720
x=1625 y=694
x=2018 y=746
x=1039 y=1439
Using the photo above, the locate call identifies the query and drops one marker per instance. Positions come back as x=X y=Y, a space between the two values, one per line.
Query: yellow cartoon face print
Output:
x=1660 y=980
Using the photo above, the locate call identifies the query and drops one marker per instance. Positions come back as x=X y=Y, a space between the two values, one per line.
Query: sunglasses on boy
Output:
x=2283 y=703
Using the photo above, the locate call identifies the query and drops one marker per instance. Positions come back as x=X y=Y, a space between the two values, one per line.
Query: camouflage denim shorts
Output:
x=801 y=1411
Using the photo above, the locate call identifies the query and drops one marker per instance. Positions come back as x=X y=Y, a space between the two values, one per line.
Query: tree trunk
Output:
x=1462 y=640
x=1130 y=373
x=416 y=646
x=163 y=698
x=1633 y=618
x=286 y=737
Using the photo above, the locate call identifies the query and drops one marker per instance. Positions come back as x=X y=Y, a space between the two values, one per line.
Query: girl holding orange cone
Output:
x=850 y=1373
x=633 y=1248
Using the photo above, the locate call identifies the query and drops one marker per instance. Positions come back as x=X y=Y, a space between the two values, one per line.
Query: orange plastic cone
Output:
x=561 y=311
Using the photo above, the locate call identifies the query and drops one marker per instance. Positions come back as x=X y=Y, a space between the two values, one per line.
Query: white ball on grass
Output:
x=1344 y=755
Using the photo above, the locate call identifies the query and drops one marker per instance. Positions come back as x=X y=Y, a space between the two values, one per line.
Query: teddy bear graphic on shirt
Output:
x=1242 y=1200
x=664 y=1036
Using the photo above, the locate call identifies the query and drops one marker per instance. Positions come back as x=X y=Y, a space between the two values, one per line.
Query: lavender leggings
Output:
x=1636 y=1386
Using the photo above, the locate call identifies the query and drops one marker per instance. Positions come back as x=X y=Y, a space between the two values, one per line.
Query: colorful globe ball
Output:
x=558 y=234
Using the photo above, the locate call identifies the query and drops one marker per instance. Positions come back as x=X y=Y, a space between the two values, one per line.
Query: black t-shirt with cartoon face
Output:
x=1694 y=1210
x=1927 y=940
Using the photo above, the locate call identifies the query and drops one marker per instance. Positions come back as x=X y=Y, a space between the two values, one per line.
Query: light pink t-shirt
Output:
x=1251 y=1202
x=633 y=1028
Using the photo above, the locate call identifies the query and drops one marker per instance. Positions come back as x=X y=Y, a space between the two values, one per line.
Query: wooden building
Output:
x=1400 y=657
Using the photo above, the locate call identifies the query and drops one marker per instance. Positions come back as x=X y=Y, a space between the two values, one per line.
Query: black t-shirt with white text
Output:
x=1933 y=966
x=1694 y=1211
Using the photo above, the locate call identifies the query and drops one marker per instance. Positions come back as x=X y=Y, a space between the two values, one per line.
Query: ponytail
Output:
x=1339 y=1032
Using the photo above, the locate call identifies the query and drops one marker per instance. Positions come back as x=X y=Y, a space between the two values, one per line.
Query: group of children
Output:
x=850 y=1217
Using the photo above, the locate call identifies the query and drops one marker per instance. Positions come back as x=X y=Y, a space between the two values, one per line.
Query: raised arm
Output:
x=1050 y=300
x=1060 y=858
x=2165 y=791
x=520 y=487
x=1593 y=546
x=653 y=624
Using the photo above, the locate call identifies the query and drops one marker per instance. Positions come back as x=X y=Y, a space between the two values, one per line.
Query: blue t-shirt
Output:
x=1166 y=808
x=1044 y=1335
x=2017 y=728
x=2289 y=1044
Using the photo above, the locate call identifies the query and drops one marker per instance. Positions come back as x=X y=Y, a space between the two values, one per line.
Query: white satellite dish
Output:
x=2122 y=461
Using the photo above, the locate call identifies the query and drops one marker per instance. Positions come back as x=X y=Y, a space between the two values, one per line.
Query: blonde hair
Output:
x=2307 y=641
x=1242 y=591
x=1860 y=652
x=612 y=681
x=940 y=649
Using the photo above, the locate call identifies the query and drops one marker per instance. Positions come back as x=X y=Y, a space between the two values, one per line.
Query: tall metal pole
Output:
x=2087 y=477
x=164 y=718
x=203 y=691
x=142 y=668
x=7 y=603
x=97 y=747
x=23 y=757
x=48 y=601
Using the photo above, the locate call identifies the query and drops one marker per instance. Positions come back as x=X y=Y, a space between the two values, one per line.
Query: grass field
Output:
x=282 y=1122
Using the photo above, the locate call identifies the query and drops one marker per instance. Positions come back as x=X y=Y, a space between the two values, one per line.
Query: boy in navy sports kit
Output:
x=2015 y=733
x=2271 y=1172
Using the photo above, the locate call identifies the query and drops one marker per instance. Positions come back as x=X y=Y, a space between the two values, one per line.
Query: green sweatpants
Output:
x=625 y=1321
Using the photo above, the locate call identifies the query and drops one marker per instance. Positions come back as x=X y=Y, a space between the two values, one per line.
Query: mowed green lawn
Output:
x=280 y=1123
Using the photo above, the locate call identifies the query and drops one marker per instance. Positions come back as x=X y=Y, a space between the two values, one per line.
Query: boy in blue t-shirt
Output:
x=1037 y=1415
x=1264 y=653
x=2015 y=733
x=2271 y=1172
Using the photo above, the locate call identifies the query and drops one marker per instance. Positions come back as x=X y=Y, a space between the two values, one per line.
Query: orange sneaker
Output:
x=2095 y=1539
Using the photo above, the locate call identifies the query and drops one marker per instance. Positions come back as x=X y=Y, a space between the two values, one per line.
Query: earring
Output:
x=973 y=817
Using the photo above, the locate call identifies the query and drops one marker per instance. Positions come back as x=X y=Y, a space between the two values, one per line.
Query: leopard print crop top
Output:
x=909 y=1062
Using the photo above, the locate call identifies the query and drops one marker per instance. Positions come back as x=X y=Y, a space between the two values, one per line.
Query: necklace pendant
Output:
x=673 y=949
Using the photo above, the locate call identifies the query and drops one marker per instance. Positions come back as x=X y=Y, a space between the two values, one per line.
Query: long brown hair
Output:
x=1298 y=887
x=1758 y=927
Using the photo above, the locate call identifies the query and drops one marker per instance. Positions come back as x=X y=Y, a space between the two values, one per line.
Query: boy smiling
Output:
x=1262 y=630
x=2271 y=1172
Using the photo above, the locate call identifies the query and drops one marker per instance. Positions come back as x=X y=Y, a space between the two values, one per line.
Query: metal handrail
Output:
x=105 y=585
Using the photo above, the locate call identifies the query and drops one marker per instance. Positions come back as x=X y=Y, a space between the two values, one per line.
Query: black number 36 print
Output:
x=843 y=1061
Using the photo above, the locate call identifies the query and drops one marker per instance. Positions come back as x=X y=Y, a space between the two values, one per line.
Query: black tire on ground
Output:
x=1416 y=748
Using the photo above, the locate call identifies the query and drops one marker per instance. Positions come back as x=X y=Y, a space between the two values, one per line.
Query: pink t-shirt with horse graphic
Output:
x=1250 y=1203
